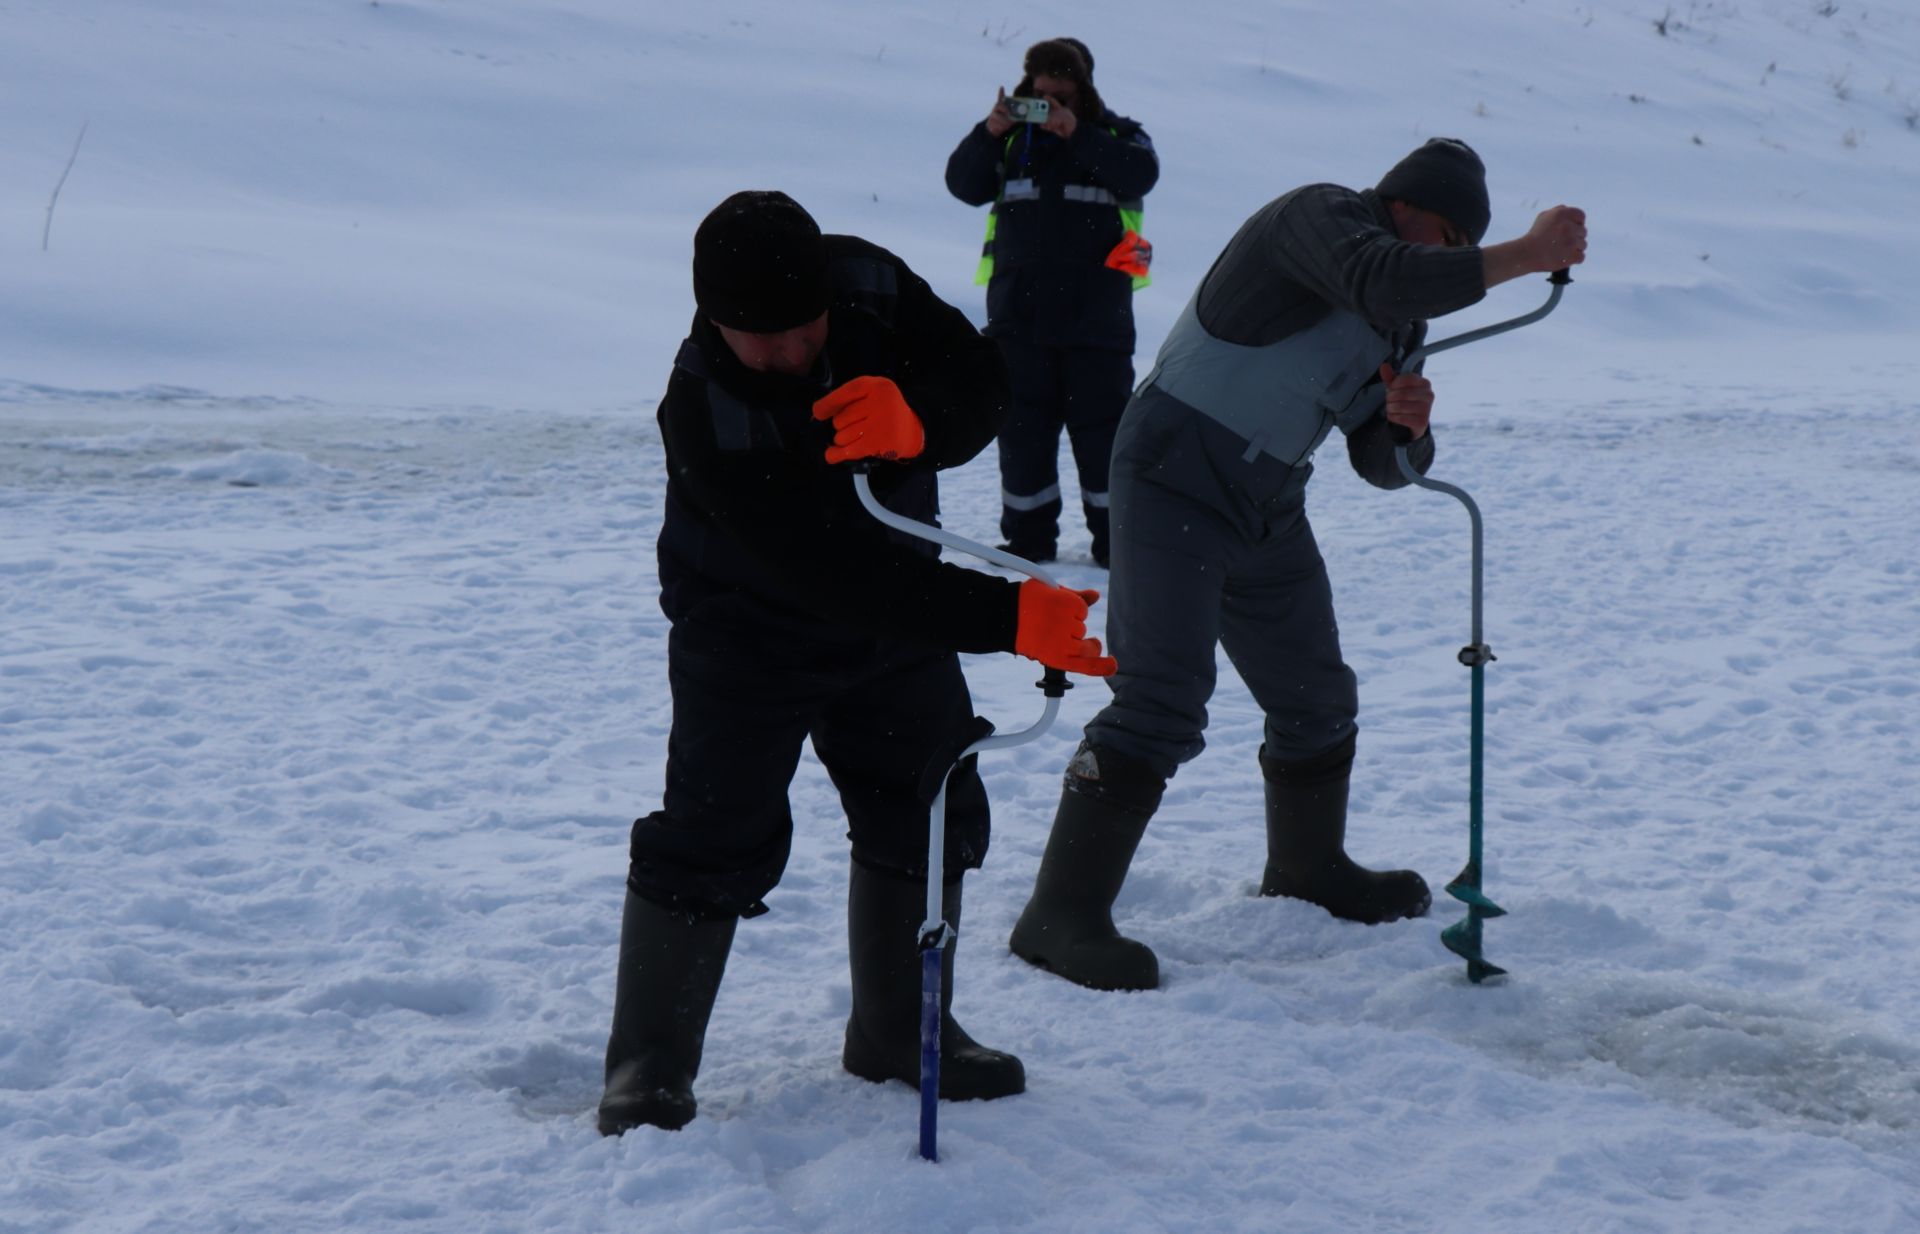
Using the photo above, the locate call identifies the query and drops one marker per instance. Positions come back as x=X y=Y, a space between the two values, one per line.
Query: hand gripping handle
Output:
x=1559 y=280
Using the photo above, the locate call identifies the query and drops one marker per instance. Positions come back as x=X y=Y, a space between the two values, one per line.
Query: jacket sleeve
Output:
x=1370 y=450
x=1329 y=242
x=973 y=169
x=954 y=379
x=801 y=523
x=1124 y=165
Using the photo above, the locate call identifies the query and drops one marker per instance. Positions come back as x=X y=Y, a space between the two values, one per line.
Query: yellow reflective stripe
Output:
x=983 y=274
x=1133 y=218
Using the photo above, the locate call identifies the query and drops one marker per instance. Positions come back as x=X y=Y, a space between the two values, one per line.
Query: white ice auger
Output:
x=935 y=933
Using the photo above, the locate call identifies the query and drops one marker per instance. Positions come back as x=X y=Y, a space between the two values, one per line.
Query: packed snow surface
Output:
x=332 y=675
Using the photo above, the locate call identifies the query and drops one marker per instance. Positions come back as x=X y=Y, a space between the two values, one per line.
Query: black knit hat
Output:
x=1446 y=177
x=760 y=264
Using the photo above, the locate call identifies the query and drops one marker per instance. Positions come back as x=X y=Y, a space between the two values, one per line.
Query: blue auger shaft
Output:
x=930 y=1051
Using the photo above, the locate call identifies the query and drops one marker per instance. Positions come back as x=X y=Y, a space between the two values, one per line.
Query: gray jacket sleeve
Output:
x=1370 y=450
x=1370 y=447
x=1329 y=241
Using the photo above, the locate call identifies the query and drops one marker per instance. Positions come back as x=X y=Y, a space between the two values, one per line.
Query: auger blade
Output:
x=1463 y=939
x=1474 y=896
x=1479 y=970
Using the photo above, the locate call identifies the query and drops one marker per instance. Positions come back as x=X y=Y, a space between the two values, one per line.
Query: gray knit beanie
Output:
x=1446 y=177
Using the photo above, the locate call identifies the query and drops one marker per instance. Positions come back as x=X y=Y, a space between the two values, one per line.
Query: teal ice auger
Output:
x=936 y=934
x=1463 y=937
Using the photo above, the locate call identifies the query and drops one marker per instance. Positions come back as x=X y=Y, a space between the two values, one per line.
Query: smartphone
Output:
x=1028 y=111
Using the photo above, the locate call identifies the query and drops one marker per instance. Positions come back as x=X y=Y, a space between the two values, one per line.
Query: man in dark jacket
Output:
x=1299 y=328
x=796 y=614
x=1062 y=259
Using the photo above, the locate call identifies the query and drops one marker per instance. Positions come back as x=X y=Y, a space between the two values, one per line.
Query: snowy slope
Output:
x=489 y=202
x=332 y=673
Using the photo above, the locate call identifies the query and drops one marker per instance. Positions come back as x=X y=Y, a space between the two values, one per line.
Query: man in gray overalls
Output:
x=1299 y=327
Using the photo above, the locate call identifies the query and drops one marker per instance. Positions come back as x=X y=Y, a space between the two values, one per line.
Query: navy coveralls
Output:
x=1062 y=317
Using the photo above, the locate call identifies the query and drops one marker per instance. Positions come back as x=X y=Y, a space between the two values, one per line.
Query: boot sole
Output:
x=958 y=1081
x=1415 y=912
x=948 y=1092
x=1133 y=985
x=662 y=1109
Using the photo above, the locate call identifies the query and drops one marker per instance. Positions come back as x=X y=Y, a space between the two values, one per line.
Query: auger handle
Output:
x=1558 y=280
x=1053 y=683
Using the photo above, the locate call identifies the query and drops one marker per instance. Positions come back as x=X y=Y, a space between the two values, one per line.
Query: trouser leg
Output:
x=1170 y=561
x=1278 y=627
x=1097 y=384
x=1030 y=451
x=886 y=742
x=722 y=837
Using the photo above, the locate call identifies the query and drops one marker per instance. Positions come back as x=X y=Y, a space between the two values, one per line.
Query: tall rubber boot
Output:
x=670 y=968
x=1067 y=927
x=1306 y=844
x=884 y=915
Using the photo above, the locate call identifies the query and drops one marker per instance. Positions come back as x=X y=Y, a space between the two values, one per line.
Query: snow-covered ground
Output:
x=331 y=673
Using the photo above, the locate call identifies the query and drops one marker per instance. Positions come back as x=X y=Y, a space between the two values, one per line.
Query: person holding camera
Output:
x=1063 y=256
x=796 y=615
x=1301 y=325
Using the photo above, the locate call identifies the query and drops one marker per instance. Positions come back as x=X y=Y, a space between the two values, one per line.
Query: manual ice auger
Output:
x=935 y=933
x=1463 y=937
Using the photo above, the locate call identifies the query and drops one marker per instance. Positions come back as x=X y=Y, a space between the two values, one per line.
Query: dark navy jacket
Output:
x=1058 y=220
x=756 y=517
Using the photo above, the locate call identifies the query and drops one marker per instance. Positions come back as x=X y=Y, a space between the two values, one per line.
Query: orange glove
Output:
x=1053 y=630
x=870 y=420
x=1133 y=255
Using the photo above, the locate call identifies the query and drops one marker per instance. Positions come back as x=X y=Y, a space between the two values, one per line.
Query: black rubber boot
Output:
x=1306 y=844
x=1067 y=927
x=670 y=968
x=884 y=915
